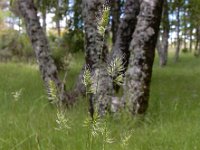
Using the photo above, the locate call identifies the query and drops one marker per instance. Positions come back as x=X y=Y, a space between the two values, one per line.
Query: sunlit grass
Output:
x=171 y=123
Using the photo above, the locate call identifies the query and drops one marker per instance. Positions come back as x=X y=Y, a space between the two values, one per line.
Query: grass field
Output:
x=171 y=123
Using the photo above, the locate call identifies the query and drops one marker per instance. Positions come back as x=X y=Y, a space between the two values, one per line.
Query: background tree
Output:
x=178 y=4
x=115 y=15
x=194 y=10
x=41 y=47
x=162 y=45
x=142 y=49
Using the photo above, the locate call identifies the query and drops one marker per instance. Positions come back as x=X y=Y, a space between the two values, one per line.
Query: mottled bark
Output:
x=40 y=45
x=92 y=10
x=121 y=46
x=162 y=46
x=120 y=50
x=44 y=23
x=125 y=31
x=142 y=50
x=115 y=13
x=95 y=46
x=178 y=36
x=94 y=50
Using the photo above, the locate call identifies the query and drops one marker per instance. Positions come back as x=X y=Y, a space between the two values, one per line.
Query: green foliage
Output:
x=185 y=50
x=77 y=18
x=62 y=57
x=58 y=55
x=17 y=44
x=73 y=40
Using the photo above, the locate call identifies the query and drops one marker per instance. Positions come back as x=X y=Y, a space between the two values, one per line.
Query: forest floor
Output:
x=172 y=122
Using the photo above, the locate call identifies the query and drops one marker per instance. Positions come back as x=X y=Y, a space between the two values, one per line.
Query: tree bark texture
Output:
x=94 y=51
x=162 y=45
x=92 y=10
x=120 y=50
x=142 y=50
x=96 y=48
x=125 y=31
x=41 y=47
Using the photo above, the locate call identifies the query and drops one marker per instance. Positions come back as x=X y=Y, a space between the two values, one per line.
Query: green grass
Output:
x=172 y=121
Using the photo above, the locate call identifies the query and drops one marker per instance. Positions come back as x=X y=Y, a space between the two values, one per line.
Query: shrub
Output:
x=185 y=50
x=16 y=44
x=61 y=58
x=73 y=40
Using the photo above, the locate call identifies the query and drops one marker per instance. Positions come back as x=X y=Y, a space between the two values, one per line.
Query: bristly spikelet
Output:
x=94 y=124
x=87 y=80
x=115 y=69
x=62 y=121
x=125 y=138
x=103 y=23
x=108 y=139
x=16 y=95
x=53 y=93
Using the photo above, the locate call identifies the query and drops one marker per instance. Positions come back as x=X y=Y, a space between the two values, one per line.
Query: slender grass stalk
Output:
x=23 y=141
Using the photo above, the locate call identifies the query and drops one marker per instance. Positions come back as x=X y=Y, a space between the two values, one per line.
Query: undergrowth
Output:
x=28 y=121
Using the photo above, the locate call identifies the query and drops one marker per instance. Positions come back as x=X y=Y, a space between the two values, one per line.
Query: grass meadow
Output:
x=172 y=122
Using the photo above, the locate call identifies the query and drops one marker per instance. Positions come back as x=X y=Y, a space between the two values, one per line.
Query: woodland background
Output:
x=48 y=48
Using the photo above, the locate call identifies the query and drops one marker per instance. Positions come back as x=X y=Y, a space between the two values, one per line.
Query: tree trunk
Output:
x=124 y=36
x=191 y=42
x=185 y=27
x=19 y=25
x=142 y=50
x=44 y=23
x=120 y=50
x=41 y=47
x=125 y=31
x=58 y=17
x=92 y=12
x=197 y=38
x=163 y=46
x=178 y=36
x=96 y=48
x=115 y=13
x=93 y=39
x=197 y=47
x=58 y=27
